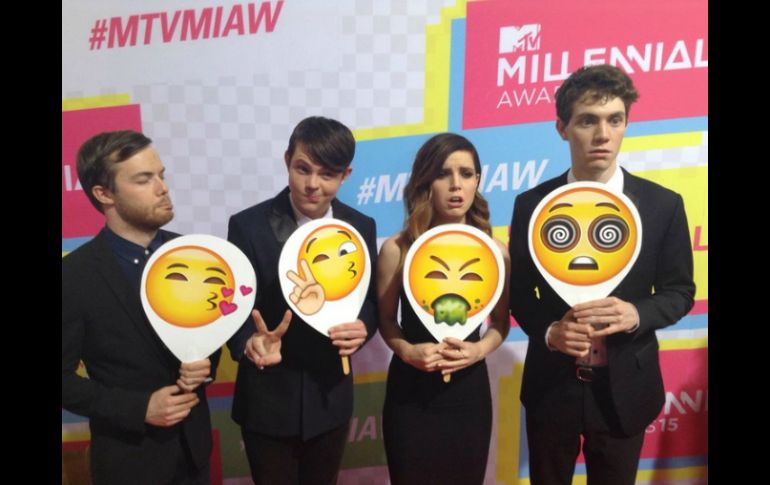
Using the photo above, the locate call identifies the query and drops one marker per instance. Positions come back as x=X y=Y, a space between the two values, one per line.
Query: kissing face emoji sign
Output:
x=335 y=257
x=190 y=286
x=584 y=239
x=196 y=292
x=324 y=272
x=453 y=276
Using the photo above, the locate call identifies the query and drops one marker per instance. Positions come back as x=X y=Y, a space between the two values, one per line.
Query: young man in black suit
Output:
x=292 y=400
x=593 y=370
x=148 y=413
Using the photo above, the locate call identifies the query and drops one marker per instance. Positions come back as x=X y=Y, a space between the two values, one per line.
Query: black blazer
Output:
x=103 y=324
x=664 y=263
x=306 y=394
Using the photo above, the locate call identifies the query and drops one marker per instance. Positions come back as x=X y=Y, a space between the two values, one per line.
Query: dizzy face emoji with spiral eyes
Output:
x=585 y=236
x=190 y=286
x=453 y=276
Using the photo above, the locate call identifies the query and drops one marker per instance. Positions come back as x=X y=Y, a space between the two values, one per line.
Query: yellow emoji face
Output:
x=584 y=236
x=453 y=276
x=190 y=286
x=336 y=259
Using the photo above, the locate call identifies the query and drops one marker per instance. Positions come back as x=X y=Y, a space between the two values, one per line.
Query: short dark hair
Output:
x=97 y=157
x=327 y=141
x=598 y=82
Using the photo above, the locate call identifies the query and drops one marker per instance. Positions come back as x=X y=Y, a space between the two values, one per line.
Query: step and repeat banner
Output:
x=219 y=86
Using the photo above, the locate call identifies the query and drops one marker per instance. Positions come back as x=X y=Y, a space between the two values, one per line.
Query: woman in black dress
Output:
x=437 y=432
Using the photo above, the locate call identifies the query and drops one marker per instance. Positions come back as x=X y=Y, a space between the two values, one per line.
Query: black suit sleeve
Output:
x=673 y=285
x=214 y=358
x=237 y=343
x=368 y=313
x=523 y=300
x=121 y=407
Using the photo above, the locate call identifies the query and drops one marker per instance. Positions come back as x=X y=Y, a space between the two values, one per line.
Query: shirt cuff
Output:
x=547 y=333
x=632 y=330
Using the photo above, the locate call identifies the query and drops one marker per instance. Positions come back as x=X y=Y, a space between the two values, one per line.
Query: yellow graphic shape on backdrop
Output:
x=438 y=43
x=692 y=183
x=107 y=101
x=508 y=426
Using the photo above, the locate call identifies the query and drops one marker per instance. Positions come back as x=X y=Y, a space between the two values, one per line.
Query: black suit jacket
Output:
x=306 y=394
x=103 y=324
x=660 y=285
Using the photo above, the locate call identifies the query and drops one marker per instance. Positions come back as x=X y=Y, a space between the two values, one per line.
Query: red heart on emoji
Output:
x=245 y=290
x=227 y=308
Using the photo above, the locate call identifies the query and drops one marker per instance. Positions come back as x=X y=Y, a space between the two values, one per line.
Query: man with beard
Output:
x=147 y=412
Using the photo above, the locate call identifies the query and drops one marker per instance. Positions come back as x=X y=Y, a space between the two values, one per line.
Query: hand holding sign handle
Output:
x=264 y=347
x=457 y=355
x=193 y=374
x=308 y=295
x=607 y=315
x=348 y=337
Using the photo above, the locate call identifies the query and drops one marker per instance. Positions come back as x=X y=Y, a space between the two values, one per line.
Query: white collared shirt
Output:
x=614 y=183
x=302 y=218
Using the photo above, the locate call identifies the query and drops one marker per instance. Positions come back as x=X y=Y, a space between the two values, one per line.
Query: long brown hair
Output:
x=427 y=166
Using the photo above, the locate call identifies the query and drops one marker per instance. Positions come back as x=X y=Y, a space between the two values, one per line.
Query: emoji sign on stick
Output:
x=324 y=271
x=197 y=291
x=584 y=239
x=453 y=277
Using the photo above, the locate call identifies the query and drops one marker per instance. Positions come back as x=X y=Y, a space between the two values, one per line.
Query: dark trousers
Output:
x=164 y=462
x=554 y=438
x=292 y=461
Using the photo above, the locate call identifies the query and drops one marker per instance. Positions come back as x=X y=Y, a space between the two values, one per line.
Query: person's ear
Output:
x=103 y=195
x=346 y=173
x=561 y=128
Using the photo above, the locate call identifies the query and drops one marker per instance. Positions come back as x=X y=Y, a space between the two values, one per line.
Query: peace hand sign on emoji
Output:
x=308 y=295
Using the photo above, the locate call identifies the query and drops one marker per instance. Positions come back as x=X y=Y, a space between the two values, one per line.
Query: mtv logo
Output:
x=524 y=38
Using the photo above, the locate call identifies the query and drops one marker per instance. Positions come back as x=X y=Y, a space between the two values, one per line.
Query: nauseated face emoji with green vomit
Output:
x=453 y=276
